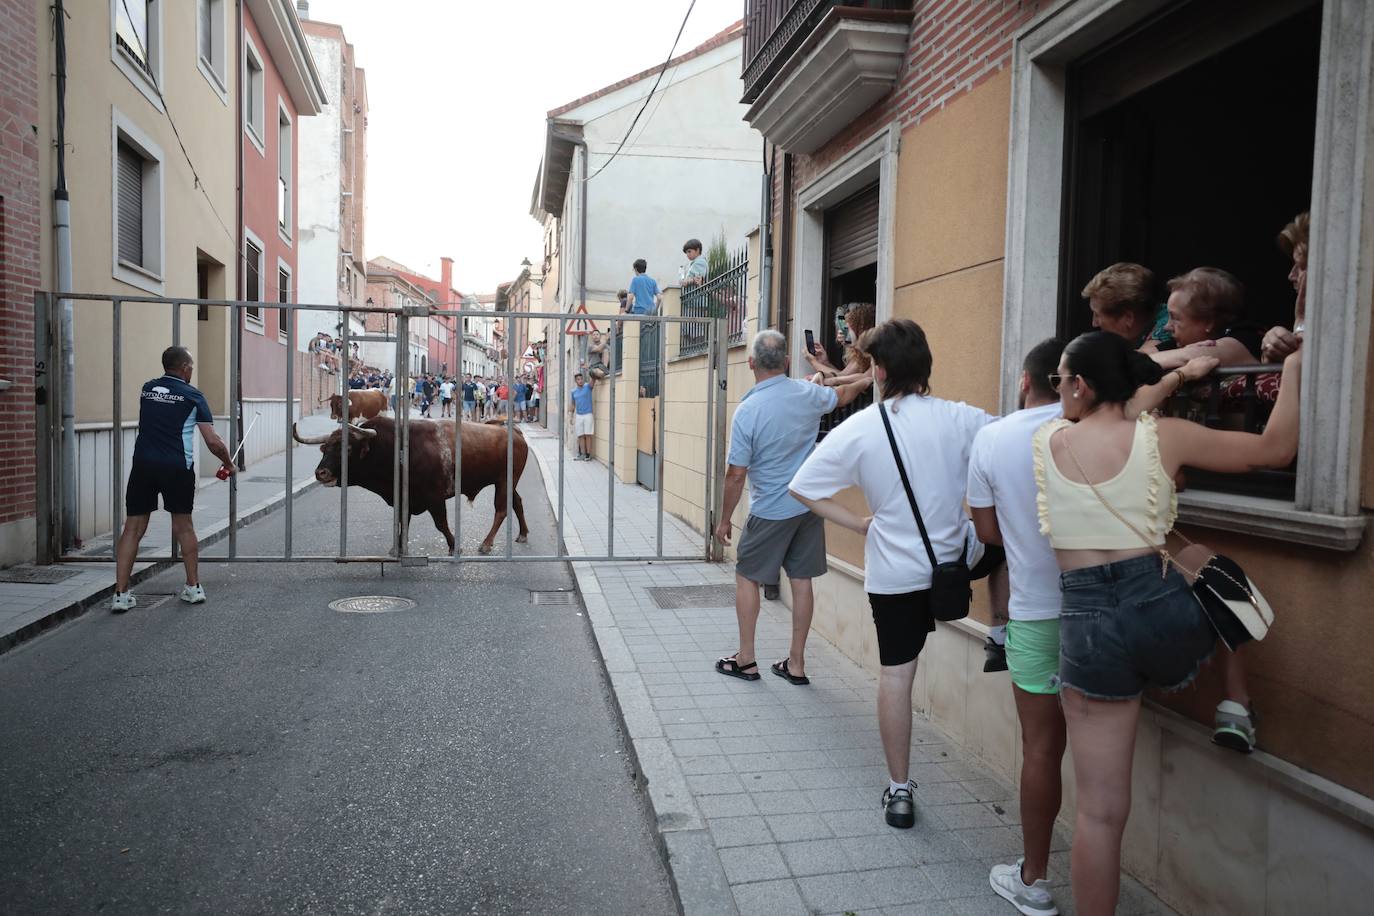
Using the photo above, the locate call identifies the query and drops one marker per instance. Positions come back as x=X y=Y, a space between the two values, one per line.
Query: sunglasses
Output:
x=1056 y=379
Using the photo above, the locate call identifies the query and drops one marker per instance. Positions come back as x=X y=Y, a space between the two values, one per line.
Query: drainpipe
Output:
x=62 y=249
x=766 y=242
x=785 y=281
x=582 y=228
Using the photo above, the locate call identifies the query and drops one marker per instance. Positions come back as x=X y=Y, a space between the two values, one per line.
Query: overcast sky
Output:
x=458 y=93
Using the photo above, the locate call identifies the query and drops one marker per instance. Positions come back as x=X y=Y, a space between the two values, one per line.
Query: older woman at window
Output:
x=1205 y=307
x=1124 y=299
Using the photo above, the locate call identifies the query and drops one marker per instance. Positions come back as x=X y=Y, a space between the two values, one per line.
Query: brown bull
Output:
x=363 y=404
x=372 y=446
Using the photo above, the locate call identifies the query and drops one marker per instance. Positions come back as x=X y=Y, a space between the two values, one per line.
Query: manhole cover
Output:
x=371 y=604
x=37 y=575
x=675 y=597
x=553 y=598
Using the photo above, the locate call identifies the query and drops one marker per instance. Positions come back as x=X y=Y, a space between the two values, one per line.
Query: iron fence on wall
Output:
x=619 y=347
x=725 y=292
x=650 y=339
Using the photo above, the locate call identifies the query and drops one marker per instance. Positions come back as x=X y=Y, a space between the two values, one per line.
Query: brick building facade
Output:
x=20 y=274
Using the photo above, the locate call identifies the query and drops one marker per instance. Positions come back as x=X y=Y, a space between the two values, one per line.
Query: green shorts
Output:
x=1033 y=655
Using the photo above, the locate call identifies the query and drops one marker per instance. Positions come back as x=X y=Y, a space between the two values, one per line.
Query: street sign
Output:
x=581 y=326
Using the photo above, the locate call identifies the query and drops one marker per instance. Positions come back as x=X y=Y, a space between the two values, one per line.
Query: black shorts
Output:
x=176 y=486
x=904 y=621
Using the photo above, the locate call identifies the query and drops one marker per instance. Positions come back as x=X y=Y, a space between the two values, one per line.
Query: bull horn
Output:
x=362 y=431
x=312 y=440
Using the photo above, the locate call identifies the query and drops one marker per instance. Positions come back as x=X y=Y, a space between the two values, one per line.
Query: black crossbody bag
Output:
x=950 y=592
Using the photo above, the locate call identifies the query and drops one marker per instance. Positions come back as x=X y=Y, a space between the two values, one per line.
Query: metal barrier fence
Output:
x=724 y=294
x=48 y=386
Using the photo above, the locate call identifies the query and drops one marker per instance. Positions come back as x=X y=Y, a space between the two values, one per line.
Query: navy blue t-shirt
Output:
x=470 y=392
x=168 y=411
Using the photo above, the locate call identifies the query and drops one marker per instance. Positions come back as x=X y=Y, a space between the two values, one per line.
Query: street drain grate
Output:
x=37 y=575
x=371 y=604
x=677 y=597
x=148 y=601
x=553 y=598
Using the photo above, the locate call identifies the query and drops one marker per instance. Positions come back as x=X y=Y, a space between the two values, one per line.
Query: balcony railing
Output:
x=619 y=347
x=724 y=292
x=650 y=338
x=774 y=29
x=840 y=414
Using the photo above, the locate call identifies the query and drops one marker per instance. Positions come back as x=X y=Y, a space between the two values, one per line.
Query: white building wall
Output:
x=692 y=168
x=321 y=156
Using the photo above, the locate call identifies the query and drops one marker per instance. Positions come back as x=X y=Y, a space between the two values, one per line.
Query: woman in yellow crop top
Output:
x=1128 y=622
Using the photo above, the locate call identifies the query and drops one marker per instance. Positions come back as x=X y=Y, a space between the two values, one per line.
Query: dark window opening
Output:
x=851 y=275
x=1190 y=143
x=283 y=295
x=202 y=289
x=253 y=279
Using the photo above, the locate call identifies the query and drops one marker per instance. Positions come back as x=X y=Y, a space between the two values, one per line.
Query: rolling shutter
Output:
x=852 y=233
x=129 y=196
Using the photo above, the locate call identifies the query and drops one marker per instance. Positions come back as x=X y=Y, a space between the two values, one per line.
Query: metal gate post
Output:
x=510 y=431
x=176 y=342
x=290 y=422
x=662 y=369
x=610 y=458
x=458 y=452
x=559 y=406
x=398 y=374
x=716 y=461
x=345 y=436
x=116 y=425
x=403 y=431
x=47 y=502
x=236 y=318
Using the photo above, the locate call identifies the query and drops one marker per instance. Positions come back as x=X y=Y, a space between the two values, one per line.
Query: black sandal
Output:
x=780 y=669
x=731 y=668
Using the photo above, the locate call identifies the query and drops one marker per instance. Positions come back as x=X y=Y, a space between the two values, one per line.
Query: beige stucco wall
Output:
x=208 y=126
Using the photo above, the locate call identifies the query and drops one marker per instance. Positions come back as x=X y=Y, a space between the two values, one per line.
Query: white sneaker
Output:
x=1033 y=900
x=192 y=594
x=123 y=601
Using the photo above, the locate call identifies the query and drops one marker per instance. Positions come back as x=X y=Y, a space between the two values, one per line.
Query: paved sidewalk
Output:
x=768 y=795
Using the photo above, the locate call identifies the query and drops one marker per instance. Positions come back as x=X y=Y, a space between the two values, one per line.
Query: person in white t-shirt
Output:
x=934 y=436
x=446 y=396
x=1002 y=496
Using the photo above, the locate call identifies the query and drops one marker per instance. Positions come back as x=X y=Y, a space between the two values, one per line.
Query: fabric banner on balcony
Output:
x=851 y=233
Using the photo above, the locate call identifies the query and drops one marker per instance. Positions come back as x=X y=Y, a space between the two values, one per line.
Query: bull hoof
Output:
x=484 y=549
x=522 y=539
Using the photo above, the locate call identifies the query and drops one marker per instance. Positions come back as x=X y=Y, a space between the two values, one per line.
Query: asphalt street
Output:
x=262 y=753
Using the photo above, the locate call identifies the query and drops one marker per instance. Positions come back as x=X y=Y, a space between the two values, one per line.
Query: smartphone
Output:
x=810 y=342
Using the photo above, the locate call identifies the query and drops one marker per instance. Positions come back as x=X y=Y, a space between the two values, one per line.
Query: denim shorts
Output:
x=1124 y=628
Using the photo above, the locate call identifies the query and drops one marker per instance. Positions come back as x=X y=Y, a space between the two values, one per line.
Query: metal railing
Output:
x=650 y=352
x=775 y=29
x=843 y=412
x=48 y=387
x=618 y=363
x=724 y=293
x=1220 y=402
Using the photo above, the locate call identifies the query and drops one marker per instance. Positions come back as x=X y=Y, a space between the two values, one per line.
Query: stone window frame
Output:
x=873 y=160
x=149 y=276
x=1326 y=511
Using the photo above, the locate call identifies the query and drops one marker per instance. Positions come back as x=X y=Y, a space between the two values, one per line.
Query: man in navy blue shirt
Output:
x=170 y=411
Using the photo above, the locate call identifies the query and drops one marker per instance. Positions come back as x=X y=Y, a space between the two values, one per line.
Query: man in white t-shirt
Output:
x=446 y=396
x=1002 y=498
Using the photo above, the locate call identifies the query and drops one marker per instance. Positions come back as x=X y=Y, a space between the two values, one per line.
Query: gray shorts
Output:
x=795 y=544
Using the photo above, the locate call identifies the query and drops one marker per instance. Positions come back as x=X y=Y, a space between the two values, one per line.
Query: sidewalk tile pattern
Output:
x=785 y=781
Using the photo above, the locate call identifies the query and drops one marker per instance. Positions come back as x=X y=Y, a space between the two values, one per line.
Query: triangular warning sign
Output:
x=581 y=326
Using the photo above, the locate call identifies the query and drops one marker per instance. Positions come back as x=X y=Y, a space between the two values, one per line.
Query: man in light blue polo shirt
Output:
x=773 y=431
x=580 y=413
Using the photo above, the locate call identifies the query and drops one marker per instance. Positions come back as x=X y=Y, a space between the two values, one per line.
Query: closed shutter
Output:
x=852 y=233
x=129 y=170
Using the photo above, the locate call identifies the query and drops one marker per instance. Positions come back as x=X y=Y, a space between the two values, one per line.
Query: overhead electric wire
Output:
x=649 y=97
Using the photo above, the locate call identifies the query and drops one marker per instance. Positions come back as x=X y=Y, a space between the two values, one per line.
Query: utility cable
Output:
x=661 y=71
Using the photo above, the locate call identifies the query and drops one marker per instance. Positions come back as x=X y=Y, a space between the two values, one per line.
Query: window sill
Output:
x=1270 y=518
x=253 y=135
x=216 y=81
x=284 y=235
x=139 y=276
x=253 y=324
x=142 y=80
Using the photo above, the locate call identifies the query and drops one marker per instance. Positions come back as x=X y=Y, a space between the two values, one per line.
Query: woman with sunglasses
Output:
x=1105 y=480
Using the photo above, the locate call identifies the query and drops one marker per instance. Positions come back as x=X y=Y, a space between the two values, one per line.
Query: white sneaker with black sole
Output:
x=1033 y=899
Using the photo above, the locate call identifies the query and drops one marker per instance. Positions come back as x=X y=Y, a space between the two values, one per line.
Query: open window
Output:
x=1190 y=143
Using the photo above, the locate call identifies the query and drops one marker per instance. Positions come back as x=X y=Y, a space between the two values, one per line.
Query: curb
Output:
x=689 y=854
x=75 y=608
